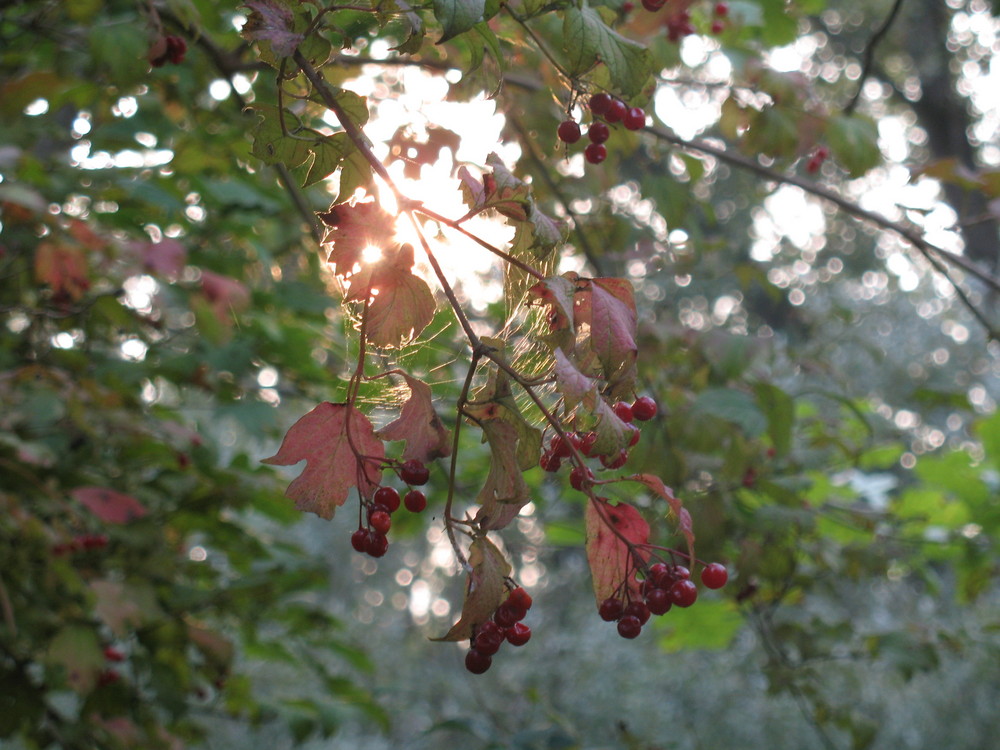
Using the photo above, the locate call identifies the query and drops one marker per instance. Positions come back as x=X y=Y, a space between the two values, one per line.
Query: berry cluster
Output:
x=664 y=587
x=819 y=156
x=610 y=111
x=167 y=49
x=373 y=539
x=679 y=24
x=642 y=409
x=505 y=625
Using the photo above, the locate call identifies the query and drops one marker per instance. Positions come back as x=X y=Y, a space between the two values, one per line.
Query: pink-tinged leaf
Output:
x=499 y=190
x=485 y=589
x=225 y=294
x=505 y=492
x=326 y=439
x=574 y=386
x=352 y=228
x=109 y=505
x=64 y=268
x=272 y=21
x=165 y=258
x=419 y=425
x=557 y=292
x=613 y=330
x=684 y=524
x=610 y=531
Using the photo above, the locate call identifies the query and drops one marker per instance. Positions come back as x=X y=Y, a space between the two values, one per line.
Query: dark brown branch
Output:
x=877 y=37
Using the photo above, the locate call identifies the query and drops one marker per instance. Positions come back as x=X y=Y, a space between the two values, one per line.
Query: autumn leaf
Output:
x=505 y=492
x=327 y=439
x=684 y=524
x=485 y=589
x=607 y=307
x=610 y=531
x=225 y=295
x=419 y=425
x=351 y=229
x=108 y=505
x=574 y=386
x=272 y=21
x=64 y=268
x=557 y=292
x=165 y=258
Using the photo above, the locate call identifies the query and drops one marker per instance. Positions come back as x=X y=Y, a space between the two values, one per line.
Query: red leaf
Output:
x=108 y=505
x=226 y=295
x=613 y=330
x=354 y=228
x=571 y=383
x=166 y=258
x=419 y=425
x=326 y=439
x=684 y=524
x=610 y=557
x=62 y=267
x=485 y=589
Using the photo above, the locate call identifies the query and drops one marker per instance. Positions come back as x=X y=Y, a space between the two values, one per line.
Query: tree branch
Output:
x=877 y=37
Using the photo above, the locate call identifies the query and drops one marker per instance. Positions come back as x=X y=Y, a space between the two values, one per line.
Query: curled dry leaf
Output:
x=684 y=524
x=485 y=589
x=419 y=425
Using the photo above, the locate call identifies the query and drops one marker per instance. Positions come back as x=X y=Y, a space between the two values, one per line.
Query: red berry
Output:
x=616 y=111
x=721 y=9
x=635 y=119
x=615 y=462
x=578 y=477
x=490 y=627
x=598 y=132
x=388 y=498
x=629 y=627
x=595 y=153
x=376 y=544
x=477 y=662
x=380 y=522
x=644 y=408
x=627 y=7
x=520 y=598
x=714 y=575
x=108 y=677
x=518 y=634
x=659 y=574
x=679 y=572
x=359 y=540
x=611 y=609
x=718 y=26
x=599 y=103
x=550 y=461
x=637 y=609
x=683 y=593
x=176 y=48
x=653 y=5
x=635 y=436
x=113 y=654
x=658 y=601
x=488 y=642
x=414 y=472
x=507 y=614
x=415 y=501
x=623 y=411
x=560 y=448
x=568 y=131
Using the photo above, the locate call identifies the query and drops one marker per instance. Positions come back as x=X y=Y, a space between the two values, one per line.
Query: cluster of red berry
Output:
x=505 y=625
x=819 y=156
x=643 y=409
x=81 y=543
x=373 y=539
x=664 y=587
x=679 y=24
x=167 y=49
x=611 y=111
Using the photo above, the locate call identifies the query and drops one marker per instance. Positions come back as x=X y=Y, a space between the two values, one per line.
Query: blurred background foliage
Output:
x=827 y=398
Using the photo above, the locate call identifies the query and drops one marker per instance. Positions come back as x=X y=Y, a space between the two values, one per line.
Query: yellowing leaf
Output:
x=613 y=533
x=62 y=267
x=485 y=589
x=505 y=491
x=419 y=425
x=341 y=451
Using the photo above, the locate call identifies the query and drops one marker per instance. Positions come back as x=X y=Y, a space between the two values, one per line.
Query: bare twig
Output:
x=877 y=37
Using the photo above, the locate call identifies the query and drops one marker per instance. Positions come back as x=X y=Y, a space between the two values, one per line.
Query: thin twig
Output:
x=870 y=55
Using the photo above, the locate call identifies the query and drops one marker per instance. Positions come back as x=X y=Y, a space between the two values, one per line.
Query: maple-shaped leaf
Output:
x=109 y=505
x=400 y=303
x=607 y=307
x=272 y=21
x=64 y=268
x=415 y=153
x=684 y=524
x=419 y=425
x=505 y=492
x=611 y=529
x=485 y=589
x=341 y=451
x=352 y=228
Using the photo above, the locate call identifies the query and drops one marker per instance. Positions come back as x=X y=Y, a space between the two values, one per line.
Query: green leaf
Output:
x=732 y=406
x=458 y=16
x=587 y=40
x=779 y=408
x=328 y=154
x=709 y=625
x=854 y=142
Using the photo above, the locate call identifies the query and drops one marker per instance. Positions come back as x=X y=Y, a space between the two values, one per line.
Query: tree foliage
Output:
x=203 y=248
